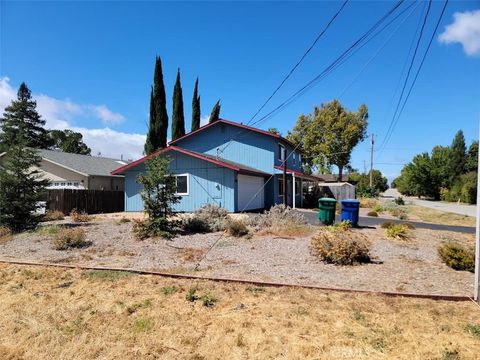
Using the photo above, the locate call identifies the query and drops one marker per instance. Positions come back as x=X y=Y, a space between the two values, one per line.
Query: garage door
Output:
x=250 y=192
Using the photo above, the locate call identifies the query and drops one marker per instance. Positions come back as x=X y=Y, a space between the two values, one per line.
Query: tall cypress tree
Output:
x=153 y=140
x=178 y=118
x=215 y=115
x=158 y=126
x=22 y=119
x=195 y=108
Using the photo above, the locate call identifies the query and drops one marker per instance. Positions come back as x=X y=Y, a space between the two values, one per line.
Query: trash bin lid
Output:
x=350 y=201
x=324 y=199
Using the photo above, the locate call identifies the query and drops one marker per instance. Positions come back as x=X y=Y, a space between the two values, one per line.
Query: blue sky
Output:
x=90 y=64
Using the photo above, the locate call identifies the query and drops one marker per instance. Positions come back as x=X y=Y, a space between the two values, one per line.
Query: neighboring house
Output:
x=331 y=178
x=338 y=190
x=73 y=171
x=225 y=163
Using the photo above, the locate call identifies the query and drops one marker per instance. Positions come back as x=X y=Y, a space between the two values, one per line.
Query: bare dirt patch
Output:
x=406 y=266
x=70 y=314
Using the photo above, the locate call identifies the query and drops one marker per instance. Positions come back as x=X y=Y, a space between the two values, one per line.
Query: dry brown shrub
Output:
x=372 y=213
x=281 y=221
x=70 y=238
x=53 y=215
x=368 y=203
x=236 y=227
x=80 y=217
x=5 y=234
x=341 y=247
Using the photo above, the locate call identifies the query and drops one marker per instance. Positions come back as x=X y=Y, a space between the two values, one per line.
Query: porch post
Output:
x=293 y=189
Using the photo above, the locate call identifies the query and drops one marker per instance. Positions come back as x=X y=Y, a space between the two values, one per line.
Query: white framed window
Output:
x=183 y=184
x=299 y=159
x=281 y=152
x=280 y=187
x=294 y=156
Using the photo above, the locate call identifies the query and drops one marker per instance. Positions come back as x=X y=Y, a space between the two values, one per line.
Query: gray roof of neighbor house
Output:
x=84 y=164
x=331 y=177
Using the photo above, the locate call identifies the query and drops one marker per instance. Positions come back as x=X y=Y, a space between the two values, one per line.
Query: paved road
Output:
x=312 y=218
x=461 y=209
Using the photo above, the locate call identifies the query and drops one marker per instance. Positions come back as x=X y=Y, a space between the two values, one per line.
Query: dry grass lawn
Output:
x=52 y=313
x=439 y=217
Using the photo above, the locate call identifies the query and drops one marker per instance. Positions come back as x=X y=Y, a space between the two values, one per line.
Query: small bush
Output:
x=403 y=216
x=341 y=247
x=70 y=238
x=399 y=201
x=387 y=224
x=194 y=225
x=368 y=203
x=397 y=231
x=124 y=220
x=378 y=208
x=144 y=229
x=53 y=215
x=372 y=213
x=280 y=220
x=208 y=300
x=457 y=257
x=192 y=294
x=49 y=230
x=236 y=227
x=409 y=225
x=79 y=217
x=5 y=234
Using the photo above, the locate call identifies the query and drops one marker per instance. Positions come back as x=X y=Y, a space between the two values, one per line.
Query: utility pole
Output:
x=476 y=287
x=285 y=175
x=371 y=162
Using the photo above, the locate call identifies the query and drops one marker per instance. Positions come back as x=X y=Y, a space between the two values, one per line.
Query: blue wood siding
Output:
x=208 y=183
x=247 y=147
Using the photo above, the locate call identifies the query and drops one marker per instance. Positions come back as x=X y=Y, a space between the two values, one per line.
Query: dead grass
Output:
x=191 y=254
x=290 y=231
x=5 y=234
x=45 y=309
x=439 y=217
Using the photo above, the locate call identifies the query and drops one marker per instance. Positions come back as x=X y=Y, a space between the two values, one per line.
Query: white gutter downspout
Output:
x=294 y=195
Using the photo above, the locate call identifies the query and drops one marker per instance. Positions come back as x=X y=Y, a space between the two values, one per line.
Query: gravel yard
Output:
x=402 y=266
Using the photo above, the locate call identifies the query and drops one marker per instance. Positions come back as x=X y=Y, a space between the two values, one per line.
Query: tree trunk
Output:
x=340 y=172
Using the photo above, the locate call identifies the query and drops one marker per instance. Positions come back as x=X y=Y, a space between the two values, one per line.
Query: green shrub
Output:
x=399 y=201
x=378 y=208
x=195 y=224
x=49 y=230
x=457 y=257
x=208 y=300
x=372 y=213
x=70 y=238
x=192 y=294
x=397 y=231
x=144 y=229
x=236 y=227
x=341 y=247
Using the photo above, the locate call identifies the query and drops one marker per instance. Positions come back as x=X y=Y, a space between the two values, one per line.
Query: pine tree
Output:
x=195 y=108
x=158 y=126
x=21 y=186
x=22 y=118
x=215 y=114
x=178 y=118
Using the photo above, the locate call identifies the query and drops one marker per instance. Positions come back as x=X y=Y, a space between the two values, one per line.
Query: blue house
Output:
x=228 y=164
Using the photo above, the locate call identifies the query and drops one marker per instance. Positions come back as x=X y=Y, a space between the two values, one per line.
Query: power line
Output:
x=324 y=30
x=332 y=66
x=418 y=70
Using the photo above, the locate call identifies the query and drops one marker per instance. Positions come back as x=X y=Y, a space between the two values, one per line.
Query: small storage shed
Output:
x=338 y=190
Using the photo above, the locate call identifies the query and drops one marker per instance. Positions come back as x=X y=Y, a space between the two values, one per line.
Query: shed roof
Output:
x=83 y=164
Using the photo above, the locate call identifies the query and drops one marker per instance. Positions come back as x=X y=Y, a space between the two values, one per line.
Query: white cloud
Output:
x=105 y=114
x=204 y=120
x=61 y=114
x=465 y=30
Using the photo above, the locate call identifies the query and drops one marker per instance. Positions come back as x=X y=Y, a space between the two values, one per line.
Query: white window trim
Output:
x=294 y=155
x=188 y=184
x=281 y=153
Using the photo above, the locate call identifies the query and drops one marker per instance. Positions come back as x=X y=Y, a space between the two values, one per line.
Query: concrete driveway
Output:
x=461 y=209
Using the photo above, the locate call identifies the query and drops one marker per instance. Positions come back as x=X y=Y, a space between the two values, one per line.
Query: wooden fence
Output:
x=89 y=201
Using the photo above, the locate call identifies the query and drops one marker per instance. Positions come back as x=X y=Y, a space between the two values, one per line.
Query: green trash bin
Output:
x=326 y=210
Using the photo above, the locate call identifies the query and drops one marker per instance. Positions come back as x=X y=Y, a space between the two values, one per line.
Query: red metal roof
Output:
x=297 y=173
x=223 y=121
x=228 y=165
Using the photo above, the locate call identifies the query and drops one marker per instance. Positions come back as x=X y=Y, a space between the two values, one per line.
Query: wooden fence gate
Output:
x=89 y=201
